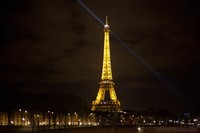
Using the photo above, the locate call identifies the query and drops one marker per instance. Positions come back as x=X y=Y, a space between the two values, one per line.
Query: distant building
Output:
x=20 y=117
x=3 y=118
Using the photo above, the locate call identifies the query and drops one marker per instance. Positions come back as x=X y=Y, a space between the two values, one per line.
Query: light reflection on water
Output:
x=136 y=130
x=96 y=130
x=121 y=130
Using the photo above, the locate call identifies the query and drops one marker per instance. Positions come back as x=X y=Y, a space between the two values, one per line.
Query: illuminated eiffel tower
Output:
x=106 y=99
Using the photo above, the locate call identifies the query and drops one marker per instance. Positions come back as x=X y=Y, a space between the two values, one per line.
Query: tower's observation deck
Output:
x=102 y=103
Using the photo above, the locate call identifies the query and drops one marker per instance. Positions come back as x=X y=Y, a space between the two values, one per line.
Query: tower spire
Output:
x=106 y=20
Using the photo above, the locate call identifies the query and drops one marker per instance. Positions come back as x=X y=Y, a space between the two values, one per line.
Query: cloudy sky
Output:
x=52 y=46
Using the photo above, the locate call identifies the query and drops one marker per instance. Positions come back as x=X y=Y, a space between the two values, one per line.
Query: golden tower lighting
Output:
x=109 y=103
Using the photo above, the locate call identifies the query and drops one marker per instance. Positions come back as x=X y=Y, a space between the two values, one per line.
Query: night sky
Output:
x=56 y=46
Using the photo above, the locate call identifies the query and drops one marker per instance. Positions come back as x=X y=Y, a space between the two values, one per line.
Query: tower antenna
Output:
x=106 y=20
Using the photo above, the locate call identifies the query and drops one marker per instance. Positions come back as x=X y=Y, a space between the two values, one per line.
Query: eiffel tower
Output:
x=106 y=100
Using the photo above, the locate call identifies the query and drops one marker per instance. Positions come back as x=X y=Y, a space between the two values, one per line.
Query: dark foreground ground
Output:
x=104 y=130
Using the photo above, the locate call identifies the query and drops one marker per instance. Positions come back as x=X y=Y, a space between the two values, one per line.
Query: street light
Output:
x=69 y=119
x=79 y=122
x=76 y=119
x=23 y=119
x=49 y=119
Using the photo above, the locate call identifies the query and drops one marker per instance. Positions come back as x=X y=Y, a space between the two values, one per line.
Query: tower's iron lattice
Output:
x=103 y=101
